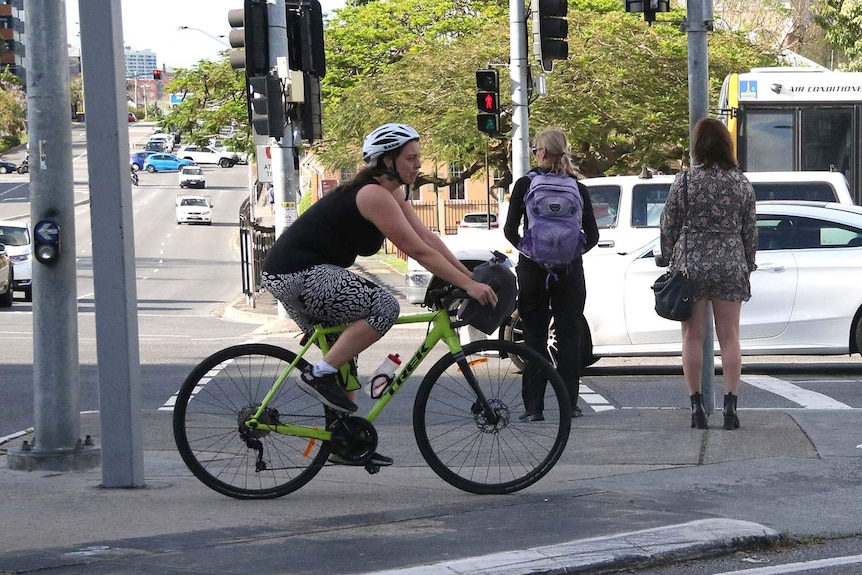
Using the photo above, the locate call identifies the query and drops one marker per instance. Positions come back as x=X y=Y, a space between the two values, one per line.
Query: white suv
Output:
x=16 y=237
x=208 y=155
x=628 y=210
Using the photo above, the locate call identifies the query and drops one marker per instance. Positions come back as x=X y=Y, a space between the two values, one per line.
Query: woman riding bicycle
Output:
x=305 y=268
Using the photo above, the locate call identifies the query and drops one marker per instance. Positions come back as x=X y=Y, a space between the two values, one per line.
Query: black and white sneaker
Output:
x=376 y=459
x=327 y=390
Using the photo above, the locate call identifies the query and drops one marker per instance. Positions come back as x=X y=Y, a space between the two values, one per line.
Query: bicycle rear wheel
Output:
x=472 y=453
x=216 y=398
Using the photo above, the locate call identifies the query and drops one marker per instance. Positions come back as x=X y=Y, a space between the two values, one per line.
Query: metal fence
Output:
x=254 y=242
x=453 y=213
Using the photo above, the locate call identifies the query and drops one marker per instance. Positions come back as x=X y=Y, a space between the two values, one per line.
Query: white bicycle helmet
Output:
x=384 y=139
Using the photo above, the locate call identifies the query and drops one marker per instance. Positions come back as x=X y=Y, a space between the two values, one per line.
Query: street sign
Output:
x=264 y=163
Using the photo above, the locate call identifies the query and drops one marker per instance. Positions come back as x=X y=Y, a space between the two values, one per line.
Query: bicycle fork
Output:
x=481 y=405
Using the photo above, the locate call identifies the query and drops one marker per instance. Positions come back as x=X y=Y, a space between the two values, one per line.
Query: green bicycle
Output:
x=246 y=430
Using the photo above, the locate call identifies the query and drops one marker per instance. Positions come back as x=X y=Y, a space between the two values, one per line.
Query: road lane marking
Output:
x=594 y=400
x=804 y=397
x=797 y=567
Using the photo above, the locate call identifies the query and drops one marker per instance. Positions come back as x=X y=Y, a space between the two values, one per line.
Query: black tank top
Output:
x=331 y=231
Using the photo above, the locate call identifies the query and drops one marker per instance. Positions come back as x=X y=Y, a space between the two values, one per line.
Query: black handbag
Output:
x=674 y=291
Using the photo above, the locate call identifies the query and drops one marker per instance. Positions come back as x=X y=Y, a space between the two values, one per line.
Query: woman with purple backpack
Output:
x=550 y=270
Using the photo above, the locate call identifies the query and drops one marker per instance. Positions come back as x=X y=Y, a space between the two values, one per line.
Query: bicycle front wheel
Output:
x=468 y=450
x=215 y=400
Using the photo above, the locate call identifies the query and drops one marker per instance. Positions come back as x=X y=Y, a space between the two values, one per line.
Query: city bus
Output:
x=796 y=119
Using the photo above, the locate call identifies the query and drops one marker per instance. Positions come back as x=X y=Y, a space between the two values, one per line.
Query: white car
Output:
x=194 y=210
x=16 y=237
x=628 y=210
x=805 y=293
x=208 y=155
x=192 y=177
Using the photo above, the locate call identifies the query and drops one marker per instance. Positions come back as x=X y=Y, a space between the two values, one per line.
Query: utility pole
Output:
x=518 y=68
x=56 y=377
x=698 y=25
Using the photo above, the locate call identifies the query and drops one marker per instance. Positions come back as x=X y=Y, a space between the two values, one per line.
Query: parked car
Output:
x=194 y=209
x=208 y=155
x=478 y=220
x=165 y=163
x=6 y=278
x=136 y=159
x=7 y=167
x=165 y=138
x=155 y=147
x=192 y=177
x=132 y=117
x=805 y=292
x=15 y=235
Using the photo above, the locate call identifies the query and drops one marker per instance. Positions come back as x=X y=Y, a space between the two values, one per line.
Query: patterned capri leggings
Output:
x=331 y=295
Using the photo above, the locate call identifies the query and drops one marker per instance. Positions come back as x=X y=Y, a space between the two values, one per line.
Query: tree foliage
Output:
x=622 y=96
x=841 y=21
x=13 y=108
x=213 y=98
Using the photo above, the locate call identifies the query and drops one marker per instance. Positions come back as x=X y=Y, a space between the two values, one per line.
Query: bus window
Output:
x=768 y=141
x=827 y=139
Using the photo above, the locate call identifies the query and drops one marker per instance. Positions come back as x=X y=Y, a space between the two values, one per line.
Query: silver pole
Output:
x=56 y=377
x=699 y=23
x=518 y=68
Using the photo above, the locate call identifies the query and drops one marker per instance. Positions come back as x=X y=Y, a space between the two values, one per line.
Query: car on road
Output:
x=7 y=167
x=165 y=163
x=136 y=159
x=208 y=155
x=6 y=278
x=15 y=235
x=192 y=177
x=478 y=221
x=155 y=147
x=165 y=138
x=194 y=210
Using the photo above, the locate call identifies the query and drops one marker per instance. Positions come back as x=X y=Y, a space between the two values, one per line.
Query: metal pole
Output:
x=285 y=175
x=56 y=377
x=518 y=68
x=699 y=23
x=117 y=345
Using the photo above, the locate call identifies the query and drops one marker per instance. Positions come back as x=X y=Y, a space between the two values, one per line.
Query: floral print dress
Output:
x=722 y=232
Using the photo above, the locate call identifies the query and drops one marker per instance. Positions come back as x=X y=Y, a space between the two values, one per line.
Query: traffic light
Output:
x=305 y=37
x=311 y=117
x=550 y=32
x=488 y=101
x=250 y=35
x=266 y=105
x=649 y=8
x=157 y=74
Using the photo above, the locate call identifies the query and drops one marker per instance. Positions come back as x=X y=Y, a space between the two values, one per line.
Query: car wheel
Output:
x=6 y=298
x=859 y=335
x=225 y=163
x=4 y=170
x=151 y=169
x=28 y=294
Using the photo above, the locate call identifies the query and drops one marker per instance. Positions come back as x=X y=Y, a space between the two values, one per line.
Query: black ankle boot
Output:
x=698 y=415
x=731 y=420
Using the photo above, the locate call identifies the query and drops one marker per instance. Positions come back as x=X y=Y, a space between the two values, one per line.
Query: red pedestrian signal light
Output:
x=157 y=74
x=488 y=101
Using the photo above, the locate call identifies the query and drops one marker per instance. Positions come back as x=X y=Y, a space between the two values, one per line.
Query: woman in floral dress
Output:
x=717 y=249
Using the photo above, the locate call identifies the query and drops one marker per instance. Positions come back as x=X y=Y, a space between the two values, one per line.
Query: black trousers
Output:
x=563 y=297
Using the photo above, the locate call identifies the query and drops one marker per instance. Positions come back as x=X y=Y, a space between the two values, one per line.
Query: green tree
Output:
x=213 y=98
x=841 y=21
x=13 y=109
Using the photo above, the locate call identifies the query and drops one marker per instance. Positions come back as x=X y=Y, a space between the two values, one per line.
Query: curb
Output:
x=624 y=550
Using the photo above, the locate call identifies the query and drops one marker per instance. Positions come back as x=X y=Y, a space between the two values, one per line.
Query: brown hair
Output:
x=713 y=145
x=556 y=146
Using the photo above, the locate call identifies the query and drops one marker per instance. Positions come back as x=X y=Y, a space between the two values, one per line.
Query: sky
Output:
x=153 y=25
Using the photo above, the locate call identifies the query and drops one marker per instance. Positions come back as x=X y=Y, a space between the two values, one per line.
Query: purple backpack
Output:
x=555 y=210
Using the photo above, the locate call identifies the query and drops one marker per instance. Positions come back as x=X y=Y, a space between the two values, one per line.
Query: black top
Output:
x=331 y=231
x=517 y=212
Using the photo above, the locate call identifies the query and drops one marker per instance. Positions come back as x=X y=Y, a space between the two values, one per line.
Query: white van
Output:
x=15 y=235
x=628 y=210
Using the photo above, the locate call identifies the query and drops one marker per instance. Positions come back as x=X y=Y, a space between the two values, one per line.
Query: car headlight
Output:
x=418 y=279
x=20 y=259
